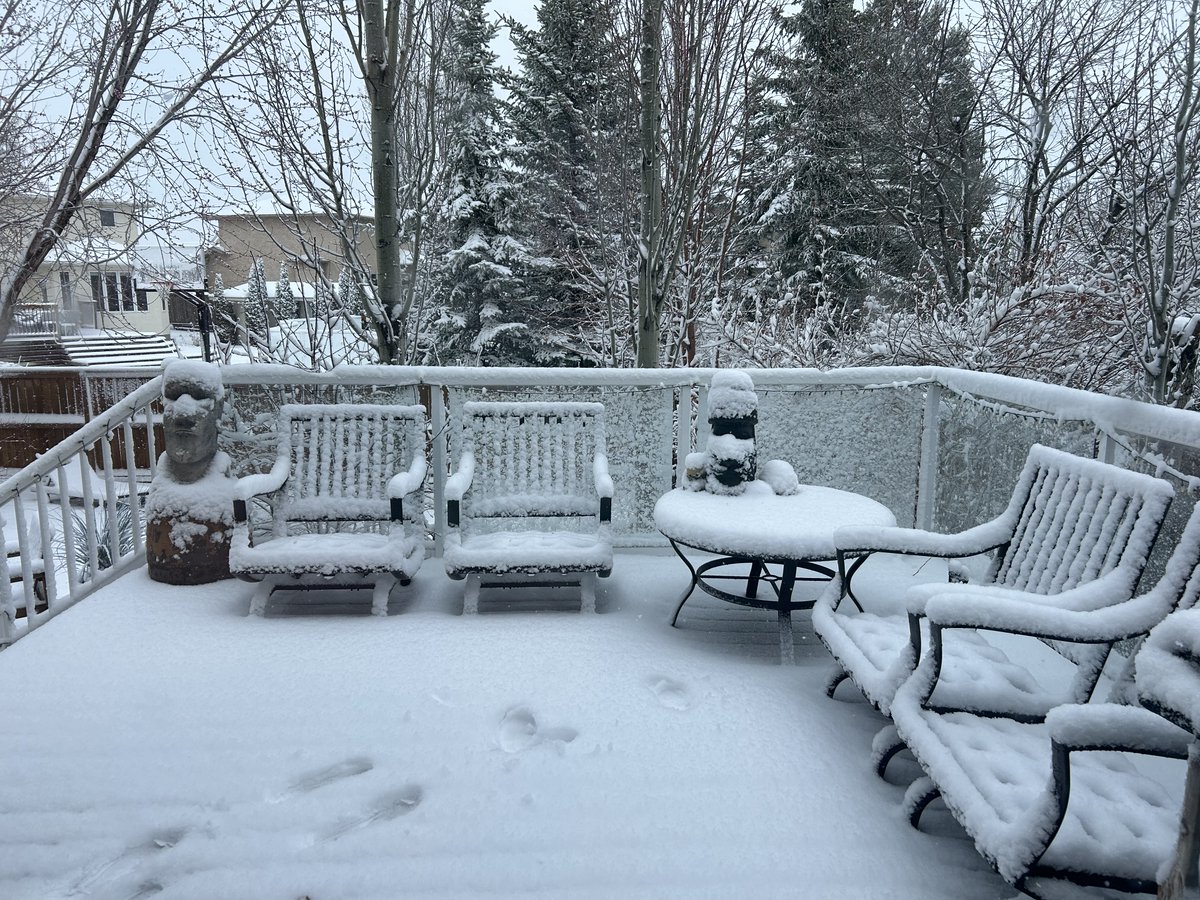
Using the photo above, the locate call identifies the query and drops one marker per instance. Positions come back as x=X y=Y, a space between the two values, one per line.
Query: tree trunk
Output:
x=650 y=299
x=381 y=44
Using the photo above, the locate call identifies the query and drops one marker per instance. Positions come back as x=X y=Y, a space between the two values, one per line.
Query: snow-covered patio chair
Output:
x=1076 y=535
x=530 y=503
x=337 y=495
x=1051 y=801
x=36 y=561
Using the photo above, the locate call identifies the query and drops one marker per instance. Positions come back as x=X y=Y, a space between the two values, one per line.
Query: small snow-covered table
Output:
x=762 y=529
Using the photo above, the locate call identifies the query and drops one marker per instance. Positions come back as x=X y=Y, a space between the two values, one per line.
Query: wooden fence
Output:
x=39 y=408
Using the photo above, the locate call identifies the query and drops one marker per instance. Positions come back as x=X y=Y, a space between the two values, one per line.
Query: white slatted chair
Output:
x=337 y=493
x=1063 y=799
x=1076 y=535
x=524 y=465
x=37 y=567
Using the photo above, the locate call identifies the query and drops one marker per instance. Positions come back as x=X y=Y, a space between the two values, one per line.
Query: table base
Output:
x=782 y=583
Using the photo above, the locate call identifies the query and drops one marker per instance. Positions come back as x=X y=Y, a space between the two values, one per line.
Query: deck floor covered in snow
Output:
x=156 y=741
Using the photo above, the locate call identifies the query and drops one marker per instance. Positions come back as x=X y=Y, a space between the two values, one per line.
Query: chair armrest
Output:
x=263 y=482
x=1112 y=726
x=404 y=483
x=914 y=541
x=1112 y=587
x=1168 y=669
x=459 y=483
x=1038 y=615
x=604 y=483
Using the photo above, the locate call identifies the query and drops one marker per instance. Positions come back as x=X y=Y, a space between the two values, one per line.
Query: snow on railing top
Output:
x=1063 y=403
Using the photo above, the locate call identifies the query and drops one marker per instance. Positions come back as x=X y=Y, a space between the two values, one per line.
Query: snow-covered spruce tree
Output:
x=254 y=309
x=283 y=304
x=225 y=319
x=481 y=325
x=864 y=171
x=573 y=108
x=348 y=296
x=803 y=147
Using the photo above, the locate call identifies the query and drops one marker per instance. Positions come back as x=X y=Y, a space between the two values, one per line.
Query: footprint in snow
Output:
x=386 y=807
x=669 y=692
x=311 y=781
x=519 y=731
x=125 y=863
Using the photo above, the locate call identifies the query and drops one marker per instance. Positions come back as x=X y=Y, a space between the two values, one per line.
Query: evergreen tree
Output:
x=349 y=298
x=575 y=130
x=482 y=324
x=283 y=305
x=865 y=161
x=254 y=308
x=223 y=312
x=800 y=161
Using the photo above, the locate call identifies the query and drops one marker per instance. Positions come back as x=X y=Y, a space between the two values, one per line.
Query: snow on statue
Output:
x=730 y=460
x=189 y=510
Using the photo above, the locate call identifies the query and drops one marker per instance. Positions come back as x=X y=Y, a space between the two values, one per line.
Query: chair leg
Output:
x=380 y=593
x=884 y=747
x=262 y=593
x=471 y=597
x=919 y=795
x=587 y=592
x=836 y=677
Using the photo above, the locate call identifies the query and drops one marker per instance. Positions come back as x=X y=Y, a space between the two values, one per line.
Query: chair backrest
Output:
x=1076 y=519
x=533 y=458
x=342 y=456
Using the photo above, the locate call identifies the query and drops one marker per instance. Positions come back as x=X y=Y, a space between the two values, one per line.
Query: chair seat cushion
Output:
x=327 y=554
x=975 y=674
x=527 y=551
x=994 y=776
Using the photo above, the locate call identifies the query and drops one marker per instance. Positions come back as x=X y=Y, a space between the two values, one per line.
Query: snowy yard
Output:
x=161 y=743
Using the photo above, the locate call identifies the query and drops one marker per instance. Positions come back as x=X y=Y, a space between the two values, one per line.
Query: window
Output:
x=110 y=292
x=114 y=291
x=68 y=294
x=108 y=218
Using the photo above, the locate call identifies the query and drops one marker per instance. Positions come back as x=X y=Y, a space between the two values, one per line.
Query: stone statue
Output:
x=189 y=512
x=192 y=409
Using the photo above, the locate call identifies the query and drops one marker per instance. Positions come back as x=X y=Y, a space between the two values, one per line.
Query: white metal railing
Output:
x=83 y=500
x=662 y=413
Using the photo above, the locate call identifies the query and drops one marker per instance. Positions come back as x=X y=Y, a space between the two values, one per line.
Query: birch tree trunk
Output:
x=650 y=298
x=381 y=27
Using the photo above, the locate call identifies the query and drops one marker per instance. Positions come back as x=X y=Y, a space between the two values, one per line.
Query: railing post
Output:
x=927 y=472
x=8 y=612
x=683 y=431
x=1107 y=449
x=441 y=433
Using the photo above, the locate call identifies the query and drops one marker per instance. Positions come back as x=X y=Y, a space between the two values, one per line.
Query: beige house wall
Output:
x=89 y=279
x=305 y=242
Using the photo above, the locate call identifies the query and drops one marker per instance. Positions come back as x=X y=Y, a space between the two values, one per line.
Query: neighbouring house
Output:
x=314 y=247
x=92 y=300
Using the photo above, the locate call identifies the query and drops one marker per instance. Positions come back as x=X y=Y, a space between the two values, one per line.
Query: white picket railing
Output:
x=71 y=533
x=89 y=547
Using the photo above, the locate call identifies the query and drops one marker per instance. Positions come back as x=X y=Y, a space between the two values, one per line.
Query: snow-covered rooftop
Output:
x=158 y=741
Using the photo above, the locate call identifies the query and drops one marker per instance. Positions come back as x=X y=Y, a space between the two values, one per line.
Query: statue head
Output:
x=192 y=400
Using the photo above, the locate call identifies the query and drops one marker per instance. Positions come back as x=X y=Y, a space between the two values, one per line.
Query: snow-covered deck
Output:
x=160 y=743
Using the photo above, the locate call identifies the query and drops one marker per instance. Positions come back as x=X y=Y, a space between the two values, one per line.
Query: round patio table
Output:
x=787 y=534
